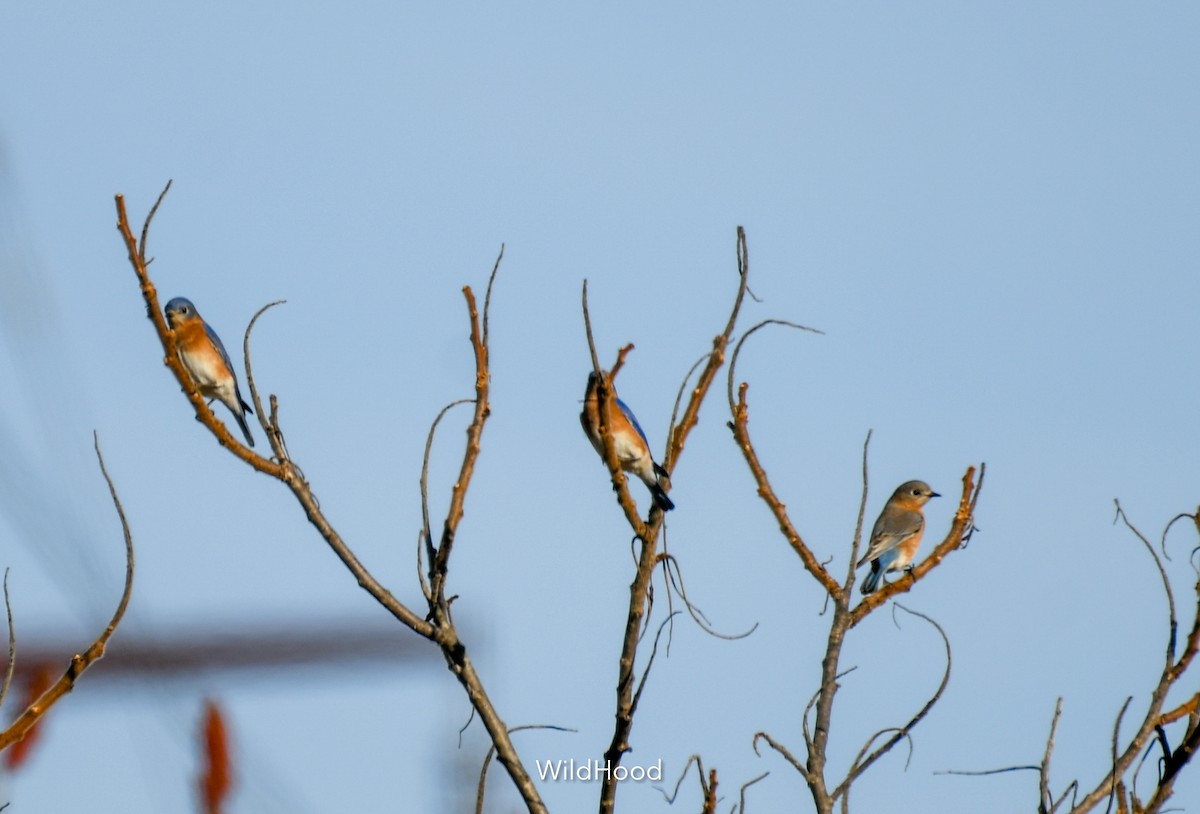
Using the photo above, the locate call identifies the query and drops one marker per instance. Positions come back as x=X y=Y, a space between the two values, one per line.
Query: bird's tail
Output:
x=657 y=491
x=241 y=420
x=660 y=498
x=870 y=582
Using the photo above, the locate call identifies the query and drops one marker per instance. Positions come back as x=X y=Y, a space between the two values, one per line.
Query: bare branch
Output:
x=81 y=661
x=487 y=296
x=271 y=430
x=741 y=806
x=782 y=750
x=694 y=759
x=1044 y=769
x=491 y=752
x=427 y=530
x=648 y=532
x=637 y=695
x=740 y=426
x=860 y=764
x=675 y=580
x=149 y=218
x=12 y=644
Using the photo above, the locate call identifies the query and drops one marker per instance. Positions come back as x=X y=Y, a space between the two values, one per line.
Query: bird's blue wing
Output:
x=632 y=420
x=216 y=340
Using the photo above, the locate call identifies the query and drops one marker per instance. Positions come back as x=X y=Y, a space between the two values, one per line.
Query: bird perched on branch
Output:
x=897 y=532
x=629 y=442
x=206 y=361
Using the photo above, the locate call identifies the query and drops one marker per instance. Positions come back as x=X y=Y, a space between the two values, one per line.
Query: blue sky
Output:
x=991 y=212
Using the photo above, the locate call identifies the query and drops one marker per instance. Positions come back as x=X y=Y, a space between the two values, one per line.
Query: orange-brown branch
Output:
x=741 y=434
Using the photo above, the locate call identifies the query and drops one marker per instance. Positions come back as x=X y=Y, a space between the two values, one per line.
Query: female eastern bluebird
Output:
x=897 y=532
x=632 y=448
x=204 y=356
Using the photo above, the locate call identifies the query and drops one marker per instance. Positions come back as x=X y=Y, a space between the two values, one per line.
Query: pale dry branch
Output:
x=491 y=752
x=648 y=532
x=1127 y=755
x=675 y=581
x=12 y=644
x=741 y=803
x=783 y=752
x=271 y=428
x=637 y=695
x=80 y=662
x=861 y=764
x=694 y=759
x=426 y=528
x=1046 y=798
x=679 y=398
x=146 y=224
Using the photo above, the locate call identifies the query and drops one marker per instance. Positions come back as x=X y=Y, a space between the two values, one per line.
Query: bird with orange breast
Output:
x=206 y=361
x=632 y=448
x=897 y=533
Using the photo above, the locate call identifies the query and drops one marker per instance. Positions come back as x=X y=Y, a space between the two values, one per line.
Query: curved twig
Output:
x=12 y=644
x=271 y=430
x=146 y=225
x=741 y=806
x=80 y=662
x=427 y=531
x=694 y=759
x=1044 y=770
x=848 y=586
x=737 y=351
x=675 y=580
x=861 y=764
x=487 y=295
x=1195 y=518
x=491 y=752
x=740 y=426
x=783 y=752
x=637 y=695
x=679 y=395
x=1162 y=573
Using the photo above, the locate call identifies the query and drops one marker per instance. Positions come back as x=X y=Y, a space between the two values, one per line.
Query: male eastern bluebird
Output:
x=204 y=356
x=897 y=532
x=632 y=448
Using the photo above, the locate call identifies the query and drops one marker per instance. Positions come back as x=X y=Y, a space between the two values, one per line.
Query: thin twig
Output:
x=693 y=759
x=860 y=764
x=149 y=218
x=12 y=644
x=271 y=430
x=491 y=752
x=81 y=661
x=1044 y=769
x=741 y=806
x=426 y=528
